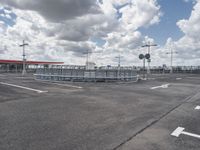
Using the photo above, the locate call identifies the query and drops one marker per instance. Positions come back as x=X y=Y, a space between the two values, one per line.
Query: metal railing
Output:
x=81 y=74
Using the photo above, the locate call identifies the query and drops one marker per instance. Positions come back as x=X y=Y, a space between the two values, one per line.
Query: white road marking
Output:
x=67 y=85
x=162 y=86
x=197 y=108
x=22 y=87
x=177 y=132
x=178 y=78
x=180 y=130
x=143 y=79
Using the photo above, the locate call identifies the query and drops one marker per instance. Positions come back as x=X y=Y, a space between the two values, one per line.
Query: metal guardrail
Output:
x=58 y=69
x=85 y=75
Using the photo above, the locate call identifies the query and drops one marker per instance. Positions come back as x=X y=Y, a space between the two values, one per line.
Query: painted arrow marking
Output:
x=197 y=108
x=162 y=86
x=180 y=130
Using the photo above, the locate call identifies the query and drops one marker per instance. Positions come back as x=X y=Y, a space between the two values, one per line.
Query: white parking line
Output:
x=197 y=108
x=162 y=86
x=180 y=130
x=66 y=85
x=22 y=87
x=178 y=78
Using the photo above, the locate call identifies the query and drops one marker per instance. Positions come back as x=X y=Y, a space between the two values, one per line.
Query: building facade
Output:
x=31 y=66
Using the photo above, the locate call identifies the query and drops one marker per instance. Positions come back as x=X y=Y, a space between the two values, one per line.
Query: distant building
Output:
x=31 y=66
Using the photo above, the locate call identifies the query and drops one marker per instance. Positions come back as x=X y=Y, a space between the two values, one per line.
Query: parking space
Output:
x=88 y=116
x=29 y=84
x=179 y=129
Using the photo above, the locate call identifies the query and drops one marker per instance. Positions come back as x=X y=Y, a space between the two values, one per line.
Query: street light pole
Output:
x=87 y=58
x=149 y=45
x=171 y=53
x=119 y=60
x=24 y=57
x=119 y=64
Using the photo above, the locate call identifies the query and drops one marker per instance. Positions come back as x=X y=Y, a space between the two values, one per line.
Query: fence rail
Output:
x=85 y=75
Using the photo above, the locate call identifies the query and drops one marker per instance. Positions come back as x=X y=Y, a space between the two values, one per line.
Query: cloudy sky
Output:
x=64 y=30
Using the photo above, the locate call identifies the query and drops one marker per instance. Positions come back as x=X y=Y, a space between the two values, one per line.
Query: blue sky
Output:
x=173 y=11
x=7 y=21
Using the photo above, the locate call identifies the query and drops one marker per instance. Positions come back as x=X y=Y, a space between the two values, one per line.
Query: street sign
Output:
x=147 y=56
x=141 y=56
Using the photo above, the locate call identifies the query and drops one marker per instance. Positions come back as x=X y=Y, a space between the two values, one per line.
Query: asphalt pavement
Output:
x=43 y=115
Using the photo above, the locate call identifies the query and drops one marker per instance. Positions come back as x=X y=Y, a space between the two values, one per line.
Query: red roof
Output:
x=30 y=62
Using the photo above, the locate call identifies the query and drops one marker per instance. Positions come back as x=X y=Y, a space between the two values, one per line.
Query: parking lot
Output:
x=158 y=114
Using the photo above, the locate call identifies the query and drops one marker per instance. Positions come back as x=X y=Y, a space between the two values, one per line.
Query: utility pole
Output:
x=24 y=57
x=171 y=53
x=119 y=64
x=87 y=53
x=119 y=60
x=87 y=58
x=149 y=45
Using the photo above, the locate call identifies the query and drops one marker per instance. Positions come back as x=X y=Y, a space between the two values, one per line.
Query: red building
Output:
x=31 y=66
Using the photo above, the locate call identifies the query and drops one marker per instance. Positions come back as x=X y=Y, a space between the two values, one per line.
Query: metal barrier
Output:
x=176 y=70
x=81 y=74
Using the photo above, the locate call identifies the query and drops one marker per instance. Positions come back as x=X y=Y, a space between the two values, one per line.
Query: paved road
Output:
x=99 y=116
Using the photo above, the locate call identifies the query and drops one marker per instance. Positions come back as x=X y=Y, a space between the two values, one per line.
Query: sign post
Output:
x=141 y=56
x=149 y=45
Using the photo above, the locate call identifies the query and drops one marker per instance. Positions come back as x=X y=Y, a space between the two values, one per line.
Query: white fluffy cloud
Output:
x=126 y=38
x=140 y=13
x=189 y=46
x=63 y=29
x=191 y=26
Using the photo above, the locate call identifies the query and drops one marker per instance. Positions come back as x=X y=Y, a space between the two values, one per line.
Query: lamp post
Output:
x=119 y=64
x=149 y=45
x=24 y=57
x=87 y=57
x=119 y=60
x=171 y=53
